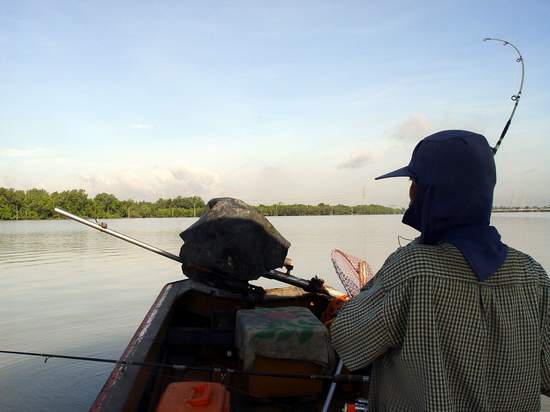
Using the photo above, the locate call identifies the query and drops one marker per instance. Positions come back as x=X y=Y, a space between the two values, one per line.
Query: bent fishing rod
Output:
x=339 y=378
x=515 y=98
x=313 y=285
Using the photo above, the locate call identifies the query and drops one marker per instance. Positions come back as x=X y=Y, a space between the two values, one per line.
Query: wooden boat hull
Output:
x=190 y=323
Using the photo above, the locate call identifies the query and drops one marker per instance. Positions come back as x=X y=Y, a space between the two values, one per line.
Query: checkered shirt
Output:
x=440 y=340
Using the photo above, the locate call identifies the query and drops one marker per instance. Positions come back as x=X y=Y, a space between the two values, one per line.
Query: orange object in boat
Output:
x=194 y=397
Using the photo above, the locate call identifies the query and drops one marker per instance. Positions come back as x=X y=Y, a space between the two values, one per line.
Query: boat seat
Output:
x=292 y=333
x=284 y=339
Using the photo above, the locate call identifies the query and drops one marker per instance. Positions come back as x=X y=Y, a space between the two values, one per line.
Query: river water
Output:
x=68 y=289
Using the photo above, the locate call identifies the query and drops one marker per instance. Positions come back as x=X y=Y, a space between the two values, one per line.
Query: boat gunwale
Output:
x=135 y=351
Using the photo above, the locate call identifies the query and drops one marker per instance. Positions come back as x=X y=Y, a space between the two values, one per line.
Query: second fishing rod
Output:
x=337 y=378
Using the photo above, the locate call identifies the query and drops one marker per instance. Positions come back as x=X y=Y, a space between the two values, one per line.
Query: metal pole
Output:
x=307 y=285
x=332 y=388
x=119 y=235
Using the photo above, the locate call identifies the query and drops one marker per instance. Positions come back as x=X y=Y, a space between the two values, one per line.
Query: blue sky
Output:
x=267 y=101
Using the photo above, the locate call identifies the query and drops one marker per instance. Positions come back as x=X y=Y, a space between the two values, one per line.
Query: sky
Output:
x=293 y=102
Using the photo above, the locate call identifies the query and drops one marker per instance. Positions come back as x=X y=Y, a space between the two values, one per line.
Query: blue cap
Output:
x=402 y=172
x=448 y=153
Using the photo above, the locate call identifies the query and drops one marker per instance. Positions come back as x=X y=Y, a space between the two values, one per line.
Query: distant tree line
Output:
x=323 y=209
x=39 y=204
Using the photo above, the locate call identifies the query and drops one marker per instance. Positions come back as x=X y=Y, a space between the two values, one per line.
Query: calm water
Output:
x=68 y=289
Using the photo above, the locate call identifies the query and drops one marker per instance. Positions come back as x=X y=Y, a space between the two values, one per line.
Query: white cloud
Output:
x=356 y=160
x=150 y=184
x=141 y=126
x=24 y=153
x=6 y=181
x=195 y=178
x=415 y=127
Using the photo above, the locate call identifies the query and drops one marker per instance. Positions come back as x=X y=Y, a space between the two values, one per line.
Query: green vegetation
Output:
x=39 y=204
x=323 y=210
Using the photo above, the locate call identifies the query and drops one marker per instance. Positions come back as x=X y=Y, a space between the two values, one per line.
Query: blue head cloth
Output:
x=455 y=175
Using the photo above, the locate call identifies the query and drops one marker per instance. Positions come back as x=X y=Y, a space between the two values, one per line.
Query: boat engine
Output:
x=231 y=244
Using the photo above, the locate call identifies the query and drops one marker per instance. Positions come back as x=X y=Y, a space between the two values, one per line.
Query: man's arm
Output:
x=369 y=324
x=545 y=334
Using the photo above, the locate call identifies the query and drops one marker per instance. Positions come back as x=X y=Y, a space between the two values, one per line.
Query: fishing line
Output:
x=515 y=98
x=342 y=378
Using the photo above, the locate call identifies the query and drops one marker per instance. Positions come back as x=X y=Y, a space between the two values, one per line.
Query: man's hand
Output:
x=333 y=308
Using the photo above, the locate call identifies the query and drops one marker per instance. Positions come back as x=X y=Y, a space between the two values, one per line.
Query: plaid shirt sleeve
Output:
x=545 y=336
x=371 y=323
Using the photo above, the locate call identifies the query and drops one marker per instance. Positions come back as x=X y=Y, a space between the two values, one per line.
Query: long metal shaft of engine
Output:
x=103 y=228
x=307 y=285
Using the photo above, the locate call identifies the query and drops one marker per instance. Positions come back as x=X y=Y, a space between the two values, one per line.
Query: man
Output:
x=456 y=320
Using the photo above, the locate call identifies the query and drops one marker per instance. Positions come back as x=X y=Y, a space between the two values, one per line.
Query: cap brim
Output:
x=403 y=172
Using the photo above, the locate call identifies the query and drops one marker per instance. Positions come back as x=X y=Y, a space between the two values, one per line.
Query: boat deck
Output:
x=193 y=324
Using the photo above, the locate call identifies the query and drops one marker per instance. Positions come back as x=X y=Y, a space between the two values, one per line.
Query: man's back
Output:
x=441 y=340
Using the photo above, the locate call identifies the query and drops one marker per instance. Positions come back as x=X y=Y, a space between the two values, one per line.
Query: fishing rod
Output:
x=515 y=98
x=315 y=284
x=339 y=378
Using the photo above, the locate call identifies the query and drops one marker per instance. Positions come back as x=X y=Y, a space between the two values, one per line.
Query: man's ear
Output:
x=412 y=191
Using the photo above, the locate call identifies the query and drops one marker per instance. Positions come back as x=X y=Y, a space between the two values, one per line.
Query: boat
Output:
x=215 y=342
x=197 y=325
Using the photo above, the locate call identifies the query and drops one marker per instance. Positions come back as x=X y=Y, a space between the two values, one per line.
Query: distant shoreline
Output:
x=179 y=214
x=537 y=210
x=521 y=209
x=38 y=204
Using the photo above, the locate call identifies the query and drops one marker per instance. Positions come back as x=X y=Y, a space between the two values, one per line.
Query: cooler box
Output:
x=281 y=340
x=194 y=397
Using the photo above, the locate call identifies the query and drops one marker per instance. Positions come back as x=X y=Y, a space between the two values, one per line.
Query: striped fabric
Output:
x=440 y=340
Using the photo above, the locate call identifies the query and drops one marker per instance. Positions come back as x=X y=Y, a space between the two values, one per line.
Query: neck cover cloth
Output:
x=455 y=176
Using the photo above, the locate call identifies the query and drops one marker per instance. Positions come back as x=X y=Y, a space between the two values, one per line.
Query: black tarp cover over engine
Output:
x=230 y=244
